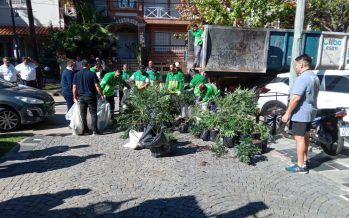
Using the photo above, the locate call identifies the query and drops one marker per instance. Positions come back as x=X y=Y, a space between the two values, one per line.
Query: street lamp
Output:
x=15 y=38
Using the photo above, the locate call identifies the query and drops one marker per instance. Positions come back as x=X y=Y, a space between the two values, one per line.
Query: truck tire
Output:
x=9 y=119
x=268 y=111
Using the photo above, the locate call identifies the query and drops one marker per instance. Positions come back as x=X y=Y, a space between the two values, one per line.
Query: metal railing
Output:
x=160 y=12
x=172 y=49
x=125 y=4
x=14 y=2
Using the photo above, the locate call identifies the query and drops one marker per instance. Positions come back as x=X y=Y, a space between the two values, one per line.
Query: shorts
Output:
x=299 y=128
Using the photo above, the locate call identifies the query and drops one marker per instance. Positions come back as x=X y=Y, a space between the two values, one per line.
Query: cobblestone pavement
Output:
x=96 y=177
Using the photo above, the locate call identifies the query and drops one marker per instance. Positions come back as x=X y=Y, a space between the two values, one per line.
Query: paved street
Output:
x=89 y=176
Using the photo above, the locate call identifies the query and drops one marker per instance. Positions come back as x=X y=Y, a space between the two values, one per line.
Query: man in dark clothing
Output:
x=85 y=89
x=67 y=83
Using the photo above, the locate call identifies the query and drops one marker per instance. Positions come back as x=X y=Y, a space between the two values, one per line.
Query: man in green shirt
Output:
x=197 y=80
x=208 y=91
x=126 y=75
x=108 y=84
x=174 y=80
x=154 y=74
x=140 y=78
x=96 y=68
x=197 y=33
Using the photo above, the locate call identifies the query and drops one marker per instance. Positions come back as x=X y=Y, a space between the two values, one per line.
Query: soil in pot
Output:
x=183 y=128
x=228 y=142
x=205 y=135
x=213 y=135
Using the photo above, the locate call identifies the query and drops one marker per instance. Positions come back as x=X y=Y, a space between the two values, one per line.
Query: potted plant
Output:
x=245 y=150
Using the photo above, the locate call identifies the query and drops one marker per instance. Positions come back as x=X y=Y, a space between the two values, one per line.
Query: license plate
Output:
x=344 y=131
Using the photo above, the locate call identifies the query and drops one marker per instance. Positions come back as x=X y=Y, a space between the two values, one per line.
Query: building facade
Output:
x=148 y=27
x=47 y=14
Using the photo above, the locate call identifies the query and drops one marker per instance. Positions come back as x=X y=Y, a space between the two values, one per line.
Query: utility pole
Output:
x=15 y=38
x=34 y=42
x=297 y=39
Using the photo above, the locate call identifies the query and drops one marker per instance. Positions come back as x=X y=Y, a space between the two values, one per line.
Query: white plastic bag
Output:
x=124 y=98
x=103 y=115
x=134 y=139
x=74 y=116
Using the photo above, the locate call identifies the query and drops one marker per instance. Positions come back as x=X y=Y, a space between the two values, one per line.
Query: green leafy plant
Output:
x=245 y=150
x=218 y=149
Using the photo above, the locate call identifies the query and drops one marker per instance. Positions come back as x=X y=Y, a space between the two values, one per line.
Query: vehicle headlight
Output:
x=29 y=100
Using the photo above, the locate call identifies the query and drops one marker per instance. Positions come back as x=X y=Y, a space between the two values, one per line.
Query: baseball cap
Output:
x=177 y=64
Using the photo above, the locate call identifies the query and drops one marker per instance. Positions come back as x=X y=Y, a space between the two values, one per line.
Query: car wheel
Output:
x=9 y=120
x=274 y=110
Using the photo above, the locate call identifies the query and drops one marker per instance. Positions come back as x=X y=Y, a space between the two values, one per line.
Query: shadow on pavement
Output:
x=43 y=205
x=249 y=209
x=41 y=166
x=33 y=154
x=54 y=122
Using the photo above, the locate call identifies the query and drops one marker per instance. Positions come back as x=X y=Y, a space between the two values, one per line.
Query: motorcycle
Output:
x=330 y=130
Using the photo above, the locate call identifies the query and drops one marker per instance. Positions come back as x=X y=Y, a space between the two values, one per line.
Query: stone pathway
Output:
x=89 y=176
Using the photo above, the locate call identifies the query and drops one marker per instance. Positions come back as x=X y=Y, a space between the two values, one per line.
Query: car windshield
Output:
x=280 y=80
x=5 y=84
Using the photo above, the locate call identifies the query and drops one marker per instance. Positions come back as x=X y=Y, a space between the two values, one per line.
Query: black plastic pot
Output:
x=183 y=128
x=213 y=134
x=228 y=142
x=205 y=135
x=262 y=144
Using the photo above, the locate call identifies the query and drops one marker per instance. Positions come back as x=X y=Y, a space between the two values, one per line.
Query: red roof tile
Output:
x=21 y=30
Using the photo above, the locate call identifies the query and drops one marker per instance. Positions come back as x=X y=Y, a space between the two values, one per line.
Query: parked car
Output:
x=334 y=93
x=22 y=105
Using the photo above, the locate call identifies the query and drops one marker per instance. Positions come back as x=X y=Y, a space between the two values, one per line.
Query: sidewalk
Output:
x=87 y=176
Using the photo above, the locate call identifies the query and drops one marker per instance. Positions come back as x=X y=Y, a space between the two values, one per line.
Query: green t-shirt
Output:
x=174 y=81
x=197 y=36
x=211 y=91
x=93 y=69
x=140 y=79
x=197 y=79
x=155 y=79
x=126 y=75
x=109 y=83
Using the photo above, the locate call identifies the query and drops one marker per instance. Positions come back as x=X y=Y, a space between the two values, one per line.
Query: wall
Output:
x=45 y=13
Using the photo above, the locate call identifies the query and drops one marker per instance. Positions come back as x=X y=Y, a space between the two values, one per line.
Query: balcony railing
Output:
x=131 y=4
x=160 y=12
x=172 y=49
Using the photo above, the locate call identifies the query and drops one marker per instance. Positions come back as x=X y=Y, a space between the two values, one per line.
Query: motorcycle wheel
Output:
x=334 y=144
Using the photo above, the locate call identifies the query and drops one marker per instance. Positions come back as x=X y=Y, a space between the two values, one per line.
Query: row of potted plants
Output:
x=234 y=124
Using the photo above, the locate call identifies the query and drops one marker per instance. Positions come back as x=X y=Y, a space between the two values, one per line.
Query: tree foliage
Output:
x=246 y=13
x=328 y=15
x=82 y=36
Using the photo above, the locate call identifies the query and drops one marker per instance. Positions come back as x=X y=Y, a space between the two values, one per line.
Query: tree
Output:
x=247 y=13
x=328 y=15
x=82 y=36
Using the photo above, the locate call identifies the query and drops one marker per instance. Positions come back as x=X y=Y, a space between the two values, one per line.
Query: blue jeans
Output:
x=69 y=100
x=197 y=53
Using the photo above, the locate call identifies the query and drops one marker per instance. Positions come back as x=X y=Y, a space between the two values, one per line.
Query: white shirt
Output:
x=8 y=72
x=27 y=72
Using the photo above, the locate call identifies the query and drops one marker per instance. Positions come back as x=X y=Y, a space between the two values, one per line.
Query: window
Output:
x=125 y=3
x=337 y=84
x=14 y=2
x=166 y=41
x=280 y=80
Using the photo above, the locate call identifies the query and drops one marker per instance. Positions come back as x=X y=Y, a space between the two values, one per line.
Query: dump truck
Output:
x=240 y=56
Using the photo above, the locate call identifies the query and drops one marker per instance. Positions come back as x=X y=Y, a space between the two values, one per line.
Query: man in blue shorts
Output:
x=301 y=110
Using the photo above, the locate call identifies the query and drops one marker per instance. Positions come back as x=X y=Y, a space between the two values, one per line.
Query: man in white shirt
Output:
x=8 y=71
x=27 y=72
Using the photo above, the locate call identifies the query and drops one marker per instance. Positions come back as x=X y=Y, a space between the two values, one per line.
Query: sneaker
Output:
x=94 y=133
x=294 y=162
x=297 y=169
